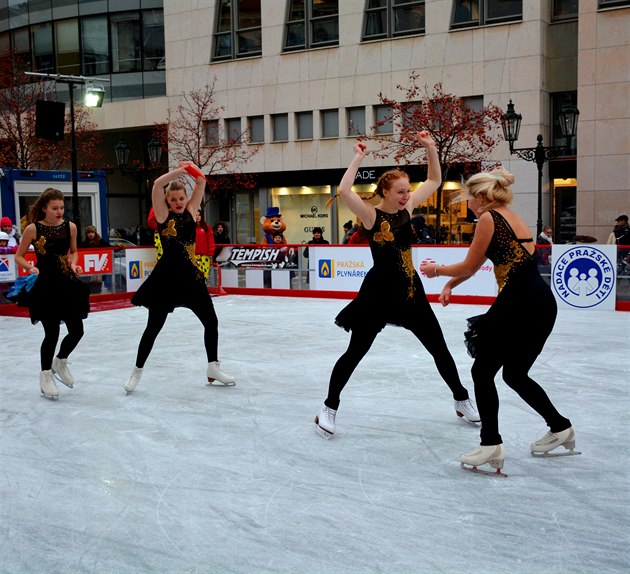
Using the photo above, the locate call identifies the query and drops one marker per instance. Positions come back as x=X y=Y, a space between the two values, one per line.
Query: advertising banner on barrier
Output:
x=92 y=261
x=584 y=276
x=343 y=269
x=140 y=263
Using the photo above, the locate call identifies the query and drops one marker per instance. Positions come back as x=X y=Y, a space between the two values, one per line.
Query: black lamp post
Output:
x=511 y=124
x=139 y=172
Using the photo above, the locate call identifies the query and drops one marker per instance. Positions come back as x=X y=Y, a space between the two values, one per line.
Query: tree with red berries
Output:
x=193 y=134
x=19 y=146
x=463 y=136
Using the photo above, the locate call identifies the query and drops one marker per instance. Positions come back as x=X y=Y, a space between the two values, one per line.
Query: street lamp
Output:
x=138 y=172
x=90 y=101
x=511 y=124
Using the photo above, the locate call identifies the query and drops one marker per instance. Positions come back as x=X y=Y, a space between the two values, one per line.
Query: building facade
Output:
x=303 y=78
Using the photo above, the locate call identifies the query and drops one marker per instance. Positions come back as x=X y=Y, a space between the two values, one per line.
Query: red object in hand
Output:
x=192 y=170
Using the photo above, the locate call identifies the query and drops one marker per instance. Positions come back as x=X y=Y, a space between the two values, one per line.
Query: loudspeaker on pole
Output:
x=50 y=119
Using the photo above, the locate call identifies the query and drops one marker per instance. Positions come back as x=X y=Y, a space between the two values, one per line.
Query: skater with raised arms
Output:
x=57 y=294
x=391 y=292
x=176 y=280
x=513 y=332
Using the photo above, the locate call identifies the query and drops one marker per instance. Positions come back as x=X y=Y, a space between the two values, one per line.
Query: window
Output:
x=280 y=124
x=482 y=12
x=391 y=18
x=330 y=123
x=613 y=3
x=256 y=126
x=238 y=30
x=383 y=120
x=564 y=9
x=304 y=122
x=125 y=41
x=475 y=103
x=153 y=40
x=95 y=46
x=356 y=121
x=212 y=132
x=233 y=128
x=311 y=23
x=68 y=54
x=43 y=53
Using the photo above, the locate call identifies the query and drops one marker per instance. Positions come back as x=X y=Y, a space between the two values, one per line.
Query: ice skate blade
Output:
x=477 y=470
x=322 y=432
x=60 y=380
x=552 y=453
x=461 y=416
x=49 y=397
x=217 y=383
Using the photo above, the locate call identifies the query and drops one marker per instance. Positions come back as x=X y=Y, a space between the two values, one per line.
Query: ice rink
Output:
x=181 y=478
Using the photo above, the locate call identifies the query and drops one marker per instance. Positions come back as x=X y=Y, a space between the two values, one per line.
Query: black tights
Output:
x=515 y=374
x=51 y=336
x=427 y=331
x=157 y=318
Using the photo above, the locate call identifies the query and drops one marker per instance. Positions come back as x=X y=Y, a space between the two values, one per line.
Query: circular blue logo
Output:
x=583 y=277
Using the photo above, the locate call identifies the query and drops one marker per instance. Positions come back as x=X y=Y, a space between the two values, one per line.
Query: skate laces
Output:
x=547 y=439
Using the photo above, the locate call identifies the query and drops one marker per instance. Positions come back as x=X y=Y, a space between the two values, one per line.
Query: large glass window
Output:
x=311 y=23
x=390 y=18
x=383 y=121
x=238 y=30
x=613 y=3
x=153 y=40
x=22 y=44
x=43 y=52
x=212 y=132
x=233 y=128
x=564 y=9
x=481 y=12
x=125 y=42
x=95 y=45
x=68 y=53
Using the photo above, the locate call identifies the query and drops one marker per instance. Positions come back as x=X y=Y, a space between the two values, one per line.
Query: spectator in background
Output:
x=4 y=244
x=422 y=233
x=620 y=234
x=7 y=226
x=543 y=245
x=360 y=236
x=221 y=236
x=318 y=239
x=93 y=239
x=348 y=231
x=204 y=244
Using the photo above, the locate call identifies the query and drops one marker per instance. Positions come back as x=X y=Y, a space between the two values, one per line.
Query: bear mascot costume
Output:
x=273 y=225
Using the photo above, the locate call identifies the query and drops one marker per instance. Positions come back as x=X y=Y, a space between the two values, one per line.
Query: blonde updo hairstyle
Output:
x=493 y=185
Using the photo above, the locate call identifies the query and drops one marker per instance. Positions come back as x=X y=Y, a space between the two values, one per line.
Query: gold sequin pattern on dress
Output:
x=501 y=271
x=39 y=245
x=385 y=234
x=169 y=230
x=65 y=266
x=407 y=261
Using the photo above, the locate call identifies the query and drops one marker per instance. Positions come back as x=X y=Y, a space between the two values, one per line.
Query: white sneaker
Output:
x=214 y=373
x=467 y=410
x=60 y=368
x=133 y=380
x=325 y=422
x=47 y=385
x=493 y=455
x=553 y=440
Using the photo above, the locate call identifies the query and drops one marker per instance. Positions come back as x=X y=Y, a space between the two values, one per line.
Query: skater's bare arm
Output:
x=27 y=238
x=360 y=208
x=434 y=172
x=158 y=198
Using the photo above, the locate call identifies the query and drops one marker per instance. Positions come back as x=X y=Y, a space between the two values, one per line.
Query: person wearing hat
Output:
x=93 y=239
x=620 y=234
x=6 y=225
x=318 y=239
x=348 y=229
x=4 y=244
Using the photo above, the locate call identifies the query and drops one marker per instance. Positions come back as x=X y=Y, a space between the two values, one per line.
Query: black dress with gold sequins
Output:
x=57 y=294
x=176 y=280
x=391 y=292
x=525 y=303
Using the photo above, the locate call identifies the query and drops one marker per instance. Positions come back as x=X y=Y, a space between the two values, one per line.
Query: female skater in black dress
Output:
x=57 y=295
x=513 y=332
x=176 y=280
x=391 y=292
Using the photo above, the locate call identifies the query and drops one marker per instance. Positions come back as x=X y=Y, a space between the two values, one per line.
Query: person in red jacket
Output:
x=204 y=244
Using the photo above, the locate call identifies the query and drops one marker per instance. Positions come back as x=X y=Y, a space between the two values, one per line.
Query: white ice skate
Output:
x=47 y=385
x=214 y=373
x=467 y=410
x=552 y=440
x=133 y=380
x=325 y=422
x=493 y=455
x=61 y=372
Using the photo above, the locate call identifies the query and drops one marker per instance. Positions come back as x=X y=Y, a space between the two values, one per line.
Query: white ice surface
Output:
x=183 y=478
